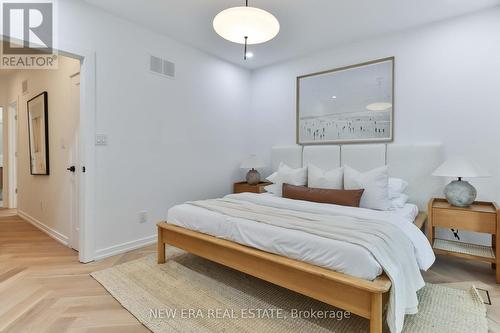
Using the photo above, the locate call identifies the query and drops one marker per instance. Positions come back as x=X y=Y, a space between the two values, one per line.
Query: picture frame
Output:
x=351 y=104
x=38 y=134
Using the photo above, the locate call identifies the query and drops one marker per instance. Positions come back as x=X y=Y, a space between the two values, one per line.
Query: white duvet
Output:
x=220 y=218
x=339 y=256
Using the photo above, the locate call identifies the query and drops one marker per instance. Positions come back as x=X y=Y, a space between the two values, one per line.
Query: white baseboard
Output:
x=125 y=247
x=43 y=227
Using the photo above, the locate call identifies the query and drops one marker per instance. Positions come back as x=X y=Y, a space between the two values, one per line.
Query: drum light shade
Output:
x=460 y=167
x=252 y=162
x=234 y=24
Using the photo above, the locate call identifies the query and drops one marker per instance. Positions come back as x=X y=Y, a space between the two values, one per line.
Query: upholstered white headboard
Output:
x=291 y=155
x=411 y=162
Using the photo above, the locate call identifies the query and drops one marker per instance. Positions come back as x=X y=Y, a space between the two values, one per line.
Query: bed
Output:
x=339 y=274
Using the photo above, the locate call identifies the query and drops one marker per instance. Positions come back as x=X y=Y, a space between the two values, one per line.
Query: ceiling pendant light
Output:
x=246 y=25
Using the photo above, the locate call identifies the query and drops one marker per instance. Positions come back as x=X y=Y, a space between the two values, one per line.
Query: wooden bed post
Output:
x=496 y=243
x=429 y=227
x=376 y=313
x=161 y=247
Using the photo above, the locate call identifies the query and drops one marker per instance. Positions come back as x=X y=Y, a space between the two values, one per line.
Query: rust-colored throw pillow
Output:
x=336 y=197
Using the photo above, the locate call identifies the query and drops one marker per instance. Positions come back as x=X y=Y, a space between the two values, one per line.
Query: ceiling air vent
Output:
x=161 y=67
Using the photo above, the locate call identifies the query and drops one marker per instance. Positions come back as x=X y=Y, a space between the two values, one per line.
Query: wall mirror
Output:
x=347 y=105
x=38 y=129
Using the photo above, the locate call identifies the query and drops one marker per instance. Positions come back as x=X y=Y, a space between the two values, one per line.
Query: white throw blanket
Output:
x=388 y=245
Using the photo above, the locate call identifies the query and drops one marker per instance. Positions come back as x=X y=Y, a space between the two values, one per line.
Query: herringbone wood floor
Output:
x=43 y=287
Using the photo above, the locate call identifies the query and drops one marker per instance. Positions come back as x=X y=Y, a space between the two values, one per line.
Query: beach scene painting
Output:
x=347 y=105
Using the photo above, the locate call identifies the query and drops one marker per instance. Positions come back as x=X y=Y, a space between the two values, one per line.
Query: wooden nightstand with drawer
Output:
x=483 y=217
x=241 y=187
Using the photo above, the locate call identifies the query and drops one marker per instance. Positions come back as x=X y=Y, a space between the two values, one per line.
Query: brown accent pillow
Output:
x=336 y=197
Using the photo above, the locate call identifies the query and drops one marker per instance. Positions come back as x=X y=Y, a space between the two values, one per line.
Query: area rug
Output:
x=191 y=294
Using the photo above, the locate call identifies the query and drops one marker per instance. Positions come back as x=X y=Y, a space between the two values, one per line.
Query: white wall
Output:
x=182 y=139
x=4 y=102
x=169 y=140
x=45 y=199
x=446 y=89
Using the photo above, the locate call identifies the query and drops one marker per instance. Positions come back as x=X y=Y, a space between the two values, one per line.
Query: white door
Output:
x=12 y=158
x=74 y=168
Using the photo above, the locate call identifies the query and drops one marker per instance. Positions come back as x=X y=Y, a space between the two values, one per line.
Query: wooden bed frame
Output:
x=362 y=297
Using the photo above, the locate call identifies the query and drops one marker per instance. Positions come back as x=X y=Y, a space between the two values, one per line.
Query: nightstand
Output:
x=481 y=217
x=241 y=187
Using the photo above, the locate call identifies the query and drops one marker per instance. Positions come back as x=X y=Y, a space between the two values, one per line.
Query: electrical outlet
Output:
x=101 y=140
x=143 y=216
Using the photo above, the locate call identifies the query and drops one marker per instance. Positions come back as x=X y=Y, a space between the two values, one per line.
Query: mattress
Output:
x=340 y=256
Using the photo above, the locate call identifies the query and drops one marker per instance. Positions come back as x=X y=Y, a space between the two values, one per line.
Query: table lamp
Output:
x=252 y=162
x=459 y=192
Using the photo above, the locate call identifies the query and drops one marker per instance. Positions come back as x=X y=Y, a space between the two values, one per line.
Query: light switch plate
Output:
x=101 y=140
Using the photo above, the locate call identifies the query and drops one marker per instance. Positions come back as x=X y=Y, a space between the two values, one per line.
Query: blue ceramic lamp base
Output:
x=460 y=193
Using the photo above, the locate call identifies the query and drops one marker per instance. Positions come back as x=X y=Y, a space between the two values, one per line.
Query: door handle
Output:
x=71 y=168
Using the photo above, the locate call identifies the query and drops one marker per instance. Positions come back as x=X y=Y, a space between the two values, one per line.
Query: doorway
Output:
x=43 y=142
x=83 y=209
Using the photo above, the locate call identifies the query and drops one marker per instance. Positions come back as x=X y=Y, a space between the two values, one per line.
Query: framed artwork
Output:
x=38 y=131
x=351 y=104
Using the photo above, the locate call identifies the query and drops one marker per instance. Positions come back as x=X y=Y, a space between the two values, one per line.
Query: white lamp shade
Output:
x=234 y=24
x=252 y=162
x=460 y=167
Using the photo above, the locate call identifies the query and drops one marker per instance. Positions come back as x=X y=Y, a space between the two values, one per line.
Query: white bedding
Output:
x=336 y=255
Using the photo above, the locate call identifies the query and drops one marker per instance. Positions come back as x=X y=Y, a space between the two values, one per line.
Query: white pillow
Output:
x=272 y=177
x=272 y=188
x=319 y=178
x=285 y=174
x=399 y=202
x=374 y=182
x=397 y=187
